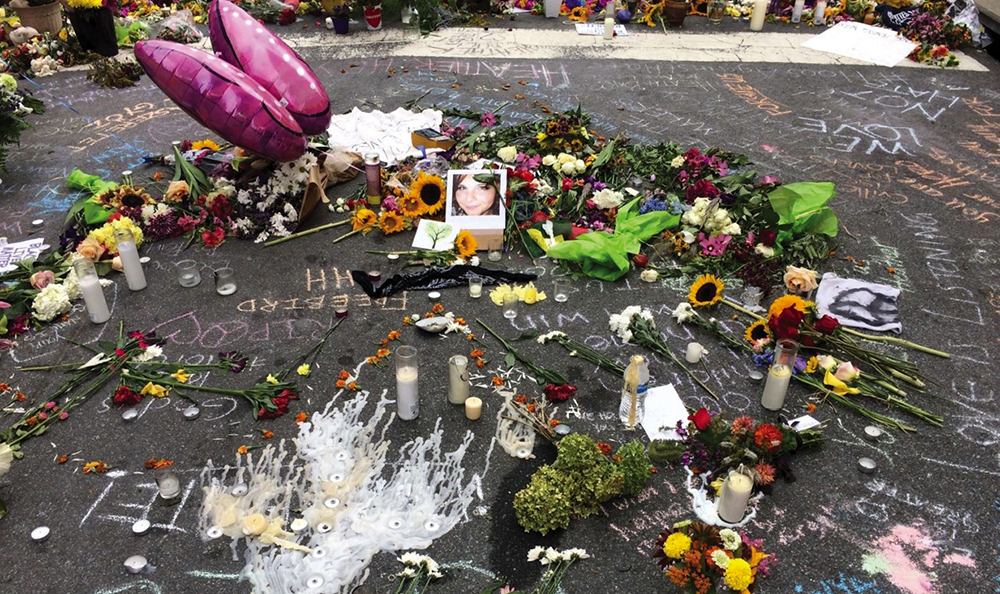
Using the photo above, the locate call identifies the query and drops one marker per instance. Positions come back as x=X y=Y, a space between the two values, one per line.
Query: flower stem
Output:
x=899 y=341
x=346 y=235
x=307 y=232
x=741 y=309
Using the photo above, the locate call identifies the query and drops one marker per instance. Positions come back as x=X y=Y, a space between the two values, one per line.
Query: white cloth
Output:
x=859 y=304
x=387 y=134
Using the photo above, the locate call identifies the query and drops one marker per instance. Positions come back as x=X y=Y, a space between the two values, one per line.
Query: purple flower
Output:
x=799 y=366
x=769 y=179
x=488 y=119
x=714 y=245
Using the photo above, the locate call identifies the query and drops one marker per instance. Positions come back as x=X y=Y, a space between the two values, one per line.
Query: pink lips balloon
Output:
x=223 y=99
x=243 y=42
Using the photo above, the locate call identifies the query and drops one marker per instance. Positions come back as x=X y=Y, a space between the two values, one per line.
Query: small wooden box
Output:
x=431 y=139
x=488 y=239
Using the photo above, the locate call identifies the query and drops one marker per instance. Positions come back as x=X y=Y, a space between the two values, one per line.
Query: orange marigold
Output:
x=394 y=335
x=4 y=387
x=383 y=343
x=343 y=375
x=353 y=386
x=342 y=383
x=460 y=321
x=554 y=422
x=301 y=417
x=476 y=353
x=370 y=361
x=438 y=308
x=382 y=353
x=470 y=337
x=480 y=363
x=811 y=407
x=62 y=459
x=96 y=467
x=521 y=399
x=531 y=407
x=267 y=434
x=241 y=450
x=31 y=421
x=153 y=463
x=497 y=380
x=605 y=448
x=20 y=396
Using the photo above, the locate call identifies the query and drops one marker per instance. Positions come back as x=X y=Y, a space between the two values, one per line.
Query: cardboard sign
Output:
x=598 y=29
x=12 y=253
x=863 y=42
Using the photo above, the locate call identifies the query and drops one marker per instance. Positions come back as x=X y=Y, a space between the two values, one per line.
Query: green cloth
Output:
x=91 y=185
x=605 y=256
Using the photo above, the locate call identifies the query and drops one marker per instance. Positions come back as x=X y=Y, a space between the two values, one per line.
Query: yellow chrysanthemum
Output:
x=707 y=290
x=410 y=205
x=106 y=233
x=757 y=331
x=738 y=575
x=812 y=364
x=785 y=301
x=391 y=222
x=430 y=190
x=676 y=544
x=204 y=144
x=466 y=245
x=364 y=220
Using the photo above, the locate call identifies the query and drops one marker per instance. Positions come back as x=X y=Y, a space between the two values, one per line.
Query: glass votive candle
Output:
x=188 y=274
x=560 y=290
x=494 y=255
x=225 y=284
x=475 y=287
x=510 y=306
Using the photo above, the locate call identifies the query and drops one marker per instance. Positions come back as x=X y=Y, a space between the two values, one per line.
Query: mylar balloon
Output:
x=223 y=99
x=243 y=42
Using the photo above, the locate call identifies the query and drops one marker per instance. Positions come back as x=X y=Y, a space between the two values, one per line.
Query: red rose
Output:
x=701 y=419
x=768 y=237
x=640 y=260
x=827 y=324
x=786 y=324
x=539 y=217
x=126 y=397
x=287 y=17
x=567 y=184
x=214 y=237
x=559 y=393
x=701 y=189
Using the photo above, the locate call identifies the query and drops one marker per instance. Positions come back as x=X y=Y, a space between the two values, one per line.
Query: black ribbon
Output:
x=437 y=278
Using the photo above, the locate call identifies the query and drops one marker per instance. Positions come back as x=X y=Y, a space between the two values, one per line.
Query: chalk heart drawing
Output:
x=350 y=510
x=908 y=556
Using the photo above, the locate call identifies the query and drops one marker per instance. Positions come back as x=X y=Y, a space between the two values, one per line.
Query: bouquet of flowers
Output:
x=15 y=107
x=698 y=558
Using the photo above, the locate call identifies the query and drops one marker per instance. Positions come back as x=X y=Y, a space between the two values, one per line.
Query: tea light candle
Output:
x=393 y=256
x=340 y=312
x=215 y=532
x=872 y=433
x=866 y=465
x=694 y=352
x=375 y=276
x=434 y=295
x=130 y=414
x=473 y=408
x=191 y=413
x=40 y=534
x=735 y=495
x=756 y=376
x=37 y=223
x=140 y=527
x=136 y=563
x=562 y=430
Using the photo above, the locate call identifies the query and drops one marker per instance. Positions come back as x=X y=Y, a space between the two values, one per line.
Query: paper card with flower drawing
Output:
x=435 y=236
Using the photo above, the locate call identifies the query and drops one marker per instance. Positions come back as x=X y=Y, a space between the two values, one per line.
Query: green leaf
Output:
x=3 y=325
x=77 y=208
x=604 y=156
x=18 y=454
x=803 y=206
x=510 y=359
x=94 y=213
x=527 y=336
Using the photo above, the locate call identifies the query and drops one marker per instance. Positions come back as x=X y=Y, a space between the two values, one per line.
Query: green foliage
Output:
x=802 y=209
x=634 y=465
x=578 y=482
x=112 y=74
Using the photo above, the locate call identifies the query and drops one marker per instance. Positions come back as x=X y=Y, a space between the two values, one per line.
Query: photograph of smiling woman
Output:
x=475 y=194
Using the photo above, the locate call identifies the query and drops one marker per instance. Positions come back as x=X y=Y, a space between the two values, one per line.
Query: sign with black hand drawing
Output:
x=859 y=304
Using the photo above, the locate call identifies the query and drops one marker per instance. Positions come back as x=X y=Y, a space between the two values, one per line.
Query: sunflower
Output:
x=707 y=290
x=410 y=205
x=429 y=189
x=204 y=144
x=390 y=222
x=759 y=330
x=785 y=301
x=124 y=196
x=578 y=14
x=466 y=244
x=364 y=220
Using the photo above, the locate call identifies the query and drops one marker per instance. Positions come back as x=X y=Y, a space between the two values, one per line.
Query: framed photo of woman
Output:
x=476 y=199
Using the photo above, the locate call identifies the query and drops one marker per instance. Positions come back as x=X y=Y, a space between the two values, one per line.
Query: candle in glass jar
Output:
x=759 y=14
x=473 y=408
x=407 y=396
x=735 y=495
x=130 y=259
x=373 y=175
x=458 y=379
x=780 y=374
x=93 y=293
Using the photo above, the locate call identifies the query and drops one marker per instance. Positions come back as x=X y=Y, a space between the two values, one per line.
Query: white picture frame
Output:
x=490 y=221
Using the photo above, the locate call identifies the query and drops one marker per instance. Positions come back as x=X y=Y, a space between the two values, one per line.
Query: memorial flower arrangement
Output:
x=418 y=572
x=555 y=385
x=43 y=55
x=711 y=446
x=937 y=34
x=15 y=109
x=583 y=476
x=699 y=558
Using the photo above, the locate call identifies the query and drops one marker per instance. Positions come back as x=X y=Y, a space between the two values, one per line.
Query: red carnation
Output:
x=701 y=189
x=560 y=392
x=214 y=237
x=126 y=397
x=701 y=419
x=567 y=184
x=827 y=324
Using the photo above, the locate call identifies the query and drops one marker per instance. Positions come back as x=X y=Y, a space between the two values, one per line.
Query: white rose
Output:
x=607 y=198
x=549 y=160
x=564 y=158
x=580 y=166
x=721 y=217
x=507 y=154
x=649 y=275
x=693 y=217
x=764 y=250
x=731 y=229
x=568 y=168
x=701 y=204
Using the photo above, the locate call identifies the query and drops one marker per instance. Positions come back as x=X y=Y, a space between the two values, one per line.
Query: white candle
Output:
x=759 y=14
x=819 y=13
x=473 y=408
x=407 y=399
x=776 y=387
x=609 y=28
x=93 y=296
x=797 y=9
x=735 y=495
x=458 y=379
x=131 y=265
x=693 y=354
x=476 y=290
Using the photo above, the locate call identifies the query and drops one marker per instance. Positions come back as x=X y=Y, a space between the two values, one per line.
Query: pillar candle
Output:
x=759 y=14
x=693 y=354
x=797 y=9
x=130 y=260
x=609 y=28
x=473 y=408
x=819 y=13
x=90 y=288
x=458 y=379
x=407 y=396
x=735 y=495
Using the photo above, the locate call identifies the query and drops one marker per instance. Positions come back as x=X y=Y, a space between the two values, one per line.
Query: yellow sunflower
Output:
x=578 y=14
x=757 y=331
x=390 y=222
x=466 y=245
x=785 y=301
x=707 y=290
x=364 y=220
x=124 y=196
x=410 y=205
x=204 y=144
x=430 y=190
